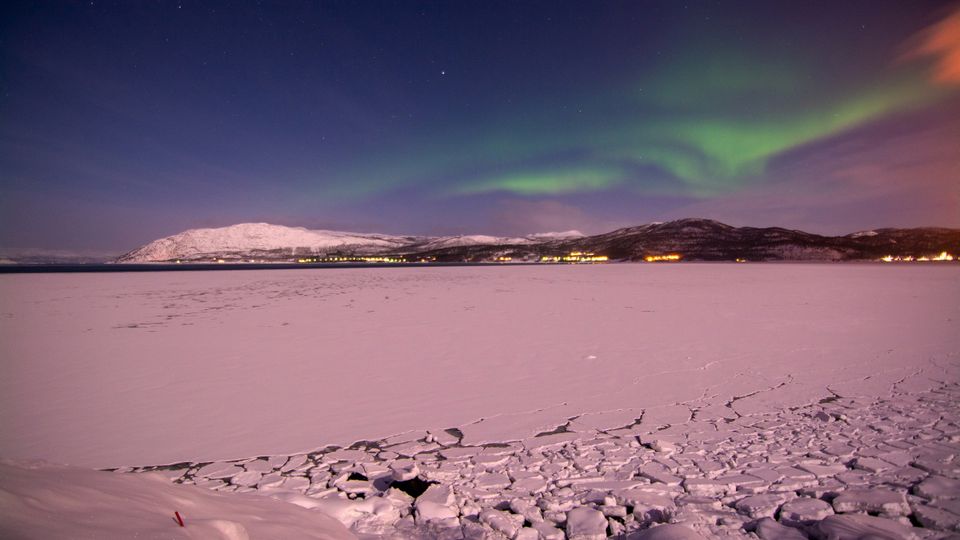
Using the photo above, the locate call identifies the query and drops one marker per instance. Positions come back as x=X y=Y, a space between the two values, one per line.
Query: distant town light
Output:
x=575 y=257
x=943 y=256
x=662 y=258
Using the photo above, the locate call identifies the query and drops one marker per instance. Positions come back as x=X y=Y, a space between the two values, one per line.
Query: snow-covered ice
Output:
x=53 y=501
x=474 y=402
x=740 y=477
x=106 y=370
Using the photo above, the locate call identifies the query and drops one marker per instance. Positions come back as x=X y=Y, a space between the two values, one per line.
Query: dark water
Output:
x=165 y=267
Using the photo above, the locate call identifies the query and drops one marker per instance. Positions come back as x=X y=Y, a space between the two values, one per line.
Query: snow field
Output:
x=132 y=369
x=726 y=400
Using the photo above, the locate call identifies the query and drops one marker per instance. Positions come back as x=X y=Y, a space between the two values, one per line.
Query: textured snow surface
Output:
x=741 y=401
x=808 y=472
x=43 y=501
x=105 y=370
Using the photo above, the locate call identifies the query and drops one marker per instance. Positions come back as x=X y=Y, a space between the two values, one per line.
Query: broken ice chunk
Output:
x=804 y=511
x=872 y=500
x=585 y=523
x=855 y=526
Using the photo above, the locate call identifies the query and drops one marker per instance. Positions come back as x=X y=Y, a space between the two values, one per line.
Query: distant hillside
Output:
x=54 y=256
x=260 y=241
x=690 y=239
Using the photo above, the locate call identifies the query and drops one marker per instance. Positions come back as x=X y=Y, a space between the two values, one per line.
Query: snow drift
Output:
x=41 y=500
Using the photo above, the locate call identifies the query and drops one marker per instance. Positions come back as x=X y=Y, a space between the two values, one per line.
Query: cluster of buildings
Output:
x=943 y=256
x=354 y=260
x=672 y=257
x=572 y=257
x=575 y=257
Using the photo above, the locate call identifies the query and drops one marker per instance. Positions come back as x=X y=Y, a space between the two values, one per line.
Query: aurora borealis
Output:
x=123 y=122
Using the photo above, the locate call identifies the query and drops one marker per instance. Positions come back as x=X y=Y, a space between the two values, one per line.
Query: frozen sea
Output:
x=106 y=370
x=530 y=402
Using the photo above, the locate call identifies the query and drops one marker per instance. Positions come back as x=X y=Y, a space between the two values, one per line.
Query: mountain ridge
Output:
x=689 y=238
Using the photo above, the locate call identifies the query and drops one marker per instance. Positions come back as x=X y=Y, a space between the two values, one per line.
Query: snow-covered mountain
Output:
x=261 y=240
x=484 y=240
x=470 y=240
x=564 y=235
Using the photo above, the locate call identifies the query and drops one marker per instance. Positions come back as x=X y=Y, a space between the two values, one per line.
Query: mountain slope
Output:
x=260 y=241
x=692 y=239
x=263 y=241
x=703 y=239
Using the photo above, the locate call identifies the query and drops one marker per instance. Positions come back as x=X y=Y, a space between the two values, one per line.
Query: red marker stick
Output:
x=179 y=519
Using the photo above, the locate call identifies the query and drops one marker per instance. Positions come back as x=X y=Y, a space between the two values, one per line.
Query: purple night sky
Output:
x=126 y=121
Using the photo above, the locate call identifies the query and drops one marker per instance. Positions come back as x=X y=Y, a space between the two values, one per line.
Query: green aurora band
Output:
x=711 y=131
x=559 y=181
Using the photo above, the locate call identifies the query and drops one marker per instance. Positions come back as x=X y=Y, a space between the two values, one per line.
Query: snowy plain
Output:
x=105 y=370
x=111 y=370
